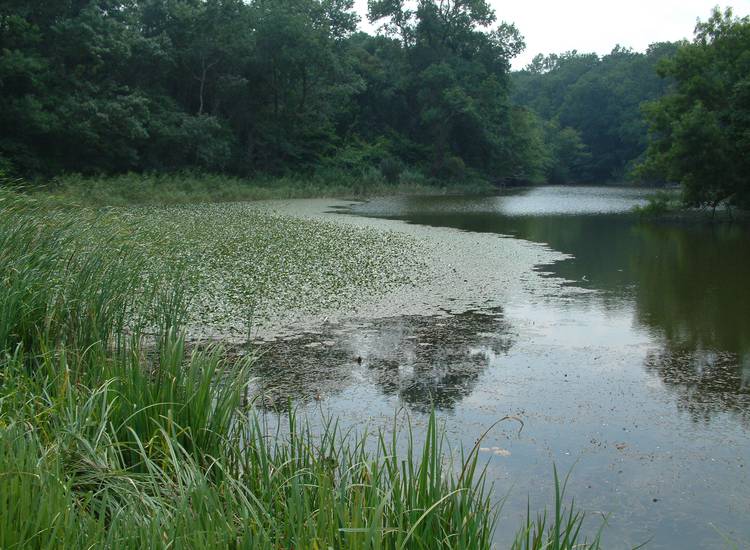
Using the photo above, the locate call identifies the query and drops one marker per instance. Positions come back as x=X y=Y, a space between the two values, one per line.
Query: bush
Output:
x=414 y=178
x=659 y=203
x=391 y=168
x=372 y=178
x=453 y=168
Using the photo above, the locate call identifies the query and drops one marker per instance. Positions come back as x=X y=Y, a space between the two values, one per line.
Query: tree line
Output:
x=279 y=86
x=263 y=86
x=590 y=109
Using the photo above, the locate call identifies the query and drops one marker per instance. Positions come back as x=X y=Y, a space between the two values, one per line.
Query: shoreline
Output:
x=463 y=271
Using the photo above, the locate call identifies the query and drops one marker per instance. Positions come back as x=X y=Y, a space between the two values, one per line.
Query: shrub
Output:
x=658 y=204
x=453 y=168
x=391 y=168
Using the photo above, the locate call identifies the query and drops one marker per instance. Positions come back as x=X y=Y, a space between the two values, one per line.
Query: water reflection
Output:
x=689 y=284
x=643 y=385
x=705 y=382
x=422 y=361
x=692 y=285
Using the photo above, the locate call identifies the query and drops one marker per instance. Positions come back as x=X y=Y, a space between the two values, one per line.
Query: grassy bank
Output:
x=182 y=188
x=113 y=433
x=669 y=206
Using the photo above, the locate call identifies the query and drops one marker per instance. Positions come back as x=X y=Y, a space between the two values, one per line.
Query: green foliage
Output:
x=440 y=82
x=658 y=204
x=700 y=131
x=453 y=168
x=529 y=154
x=568 y=154
x=391 y=169
x=255 y=88
x=595 y=130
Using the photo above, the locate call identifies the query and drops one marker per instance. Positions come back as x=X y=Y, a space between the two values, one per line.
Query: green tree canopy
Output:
x=248 y=86
x=591 y=105
x=700 y=130
x=455 y=85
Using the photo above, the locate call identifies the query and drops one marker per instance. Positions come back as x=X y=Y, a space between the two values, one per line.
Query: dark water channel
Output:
x=642 y=385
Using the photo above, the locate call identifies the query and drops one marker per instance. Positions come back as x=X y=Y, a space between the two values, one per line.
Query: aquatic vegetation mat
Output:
x=243 y=263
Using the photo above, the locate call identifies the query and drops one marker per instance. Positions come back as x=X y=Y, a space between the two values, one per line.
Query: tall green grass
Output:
x=150 y=459
x=561 y=531
x=73 y=279
x=188 y=187
x=114 y=433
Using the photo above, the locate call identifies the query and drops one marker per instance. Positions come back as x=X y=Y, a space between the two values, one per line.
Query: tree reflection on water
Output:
x=425 y=361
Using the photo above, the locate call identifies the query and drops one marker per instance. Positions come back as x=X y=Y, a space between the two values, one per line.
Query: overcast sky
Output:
x=552 y=26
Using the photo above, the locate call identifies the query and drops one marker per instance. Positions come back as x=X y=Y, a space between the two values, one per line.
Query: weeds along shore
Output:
x=196 y=187
x=113 y=433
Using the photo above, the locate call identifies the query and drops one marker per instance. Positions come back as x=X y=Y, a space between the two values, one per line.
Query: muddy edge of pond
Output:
x=463 y=271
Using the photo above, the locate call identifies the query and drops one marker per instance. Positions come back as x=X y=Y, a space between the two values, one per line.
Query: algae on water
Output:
x=246 y=263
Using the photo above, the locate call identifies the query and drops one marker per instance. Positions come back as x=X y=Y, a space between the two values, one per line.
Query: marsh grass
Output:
x=561 y=530
x=188 y=187
x=148 y=458
x=73 y=279
x=115 y=434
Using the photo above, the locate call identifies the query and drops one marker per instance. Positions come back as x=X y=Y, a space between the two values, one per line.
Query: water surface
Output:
x=641 y=385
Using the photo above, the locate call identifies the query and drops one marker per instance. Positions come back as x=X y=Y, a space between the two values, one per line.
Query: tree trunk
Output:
x=303 y=100
x=203 y=85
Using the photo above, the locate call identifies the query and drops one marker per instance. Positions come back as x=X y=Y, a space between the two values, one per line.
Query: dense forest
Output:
x=291 y=86
x=591 y=109
x=264 y=86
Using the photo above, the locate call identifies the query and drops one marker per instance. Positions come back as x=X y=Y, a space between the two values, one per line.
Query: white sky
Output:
x=552 y=26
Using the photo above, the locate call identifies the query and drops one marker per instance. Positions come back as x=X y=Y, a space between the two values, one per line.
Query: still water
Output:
x=640 y=384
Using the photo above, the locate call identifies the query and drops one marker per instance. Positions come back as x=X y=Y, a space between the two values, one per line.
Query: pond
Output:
x=639 y=381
